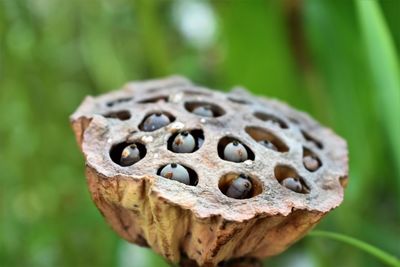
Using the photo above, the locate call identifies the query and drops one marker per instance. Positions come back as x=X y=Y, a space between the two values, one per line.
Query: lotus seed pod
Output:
x=155 y=121
x=204 y=111
x=200 y=208
x=268 y=144
x=292 y=184
x=130 y=155
x=239 y=188
x=184 y=143
x=311 y=163
x=235 y=151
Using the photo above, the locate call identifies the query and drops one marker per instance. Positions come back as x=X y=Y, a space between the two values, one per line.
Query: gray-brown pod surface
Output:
x=253 y=176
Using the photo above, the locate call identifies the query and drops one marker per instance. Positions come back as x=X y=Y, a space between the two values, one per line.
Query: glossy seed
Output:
x=184 y=143
x=176 y=172
x=204 y=111
x=292 y=184
x=155 y=121
x=130 y=155
x=268 y=145
x=235 y=151
x=311 y=163
x=240 y=187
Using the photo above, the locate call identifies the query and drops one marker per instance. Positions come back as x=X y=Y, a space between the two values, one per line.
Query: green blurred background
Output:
x=338 y=60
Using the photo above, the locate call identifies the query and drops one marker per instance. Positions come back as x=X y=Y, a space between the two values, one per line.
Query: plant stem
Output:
x=374 y=251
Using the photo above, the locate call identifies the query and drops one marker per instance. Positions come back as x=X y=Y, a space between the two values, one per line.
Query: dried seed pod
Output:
x=184 y=142
x=219 y=217
x=235 y=152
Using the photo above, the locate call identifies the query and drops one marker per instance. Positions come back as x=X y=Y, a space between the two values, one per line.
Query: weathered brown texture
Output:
x=200 y=222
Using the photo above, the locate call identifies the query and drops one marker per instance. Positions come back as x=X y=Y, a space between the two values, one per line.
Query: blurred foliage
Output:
x=338 y=60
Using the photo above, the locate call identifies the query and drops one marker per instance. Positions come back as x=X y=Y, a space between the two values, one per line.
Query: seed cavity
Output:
x=268 y=144
x=119 y=101
x=271 y=118
x=239 y=186
x=231 y=149
x=289 y=178
x=122 y=115
x=292 y=184
x=343 y=180
x=235 y=151
x=130 y=155
x=154 y=99
x=293 y=120
x=186 y=141
x=126 y=154
x=238 y=100
x=155 y=121
x=310 y=160
x=179 y=173
x=266 y=138
x=196 y=93
x=311 y=139
x=204 y=109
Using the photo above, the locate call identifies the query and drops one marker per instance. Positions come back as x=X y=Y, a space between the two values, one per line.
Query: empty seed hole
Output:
x=311 y=139
x=310 y=160
x=343 y=180
x=239 y=186
x=122 y=115
x=232 y=149
x=238 y=101
x=156 y=120
x=204 y=109
x=272 y=118
x=194 y=93
x=293 y=120
x=186 y=141
x=179 y=173
x=127 y=154
x=118 y=101
x=289 y=178
x=154 y=100
x=266 y=138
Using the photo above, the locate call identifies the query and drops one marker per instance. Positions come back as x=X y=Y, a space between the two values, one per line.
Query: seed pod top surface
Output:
x=137 y=201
